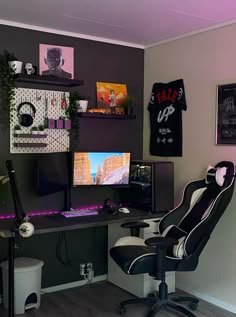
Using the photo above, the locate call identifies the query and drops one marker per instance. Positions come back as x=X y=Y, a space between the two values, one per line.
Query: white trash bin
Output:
x=27 y=276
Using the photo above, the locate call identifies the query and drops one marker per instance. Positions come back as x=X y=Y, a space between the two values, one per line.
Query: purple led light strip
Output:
x=50 y=212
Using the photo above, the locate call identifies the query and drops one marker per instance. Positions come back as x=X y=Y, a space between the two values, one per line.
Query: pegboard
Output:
x=48 y=104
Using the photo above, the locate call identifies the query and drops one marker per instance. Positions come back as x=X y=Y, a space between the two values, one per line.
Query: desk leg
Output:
x=11 y=255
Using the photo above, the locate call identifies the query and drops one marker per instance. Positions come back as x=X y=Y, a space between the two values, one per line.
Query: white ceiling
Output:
x=139 y=23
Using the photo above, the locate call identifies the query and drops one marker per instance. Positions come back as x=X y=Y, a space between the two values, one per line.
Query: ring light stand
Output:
x=21 y=227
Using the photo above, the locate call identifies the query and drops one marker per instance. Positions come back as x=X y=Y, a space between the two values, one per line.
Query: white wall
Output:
x=203 y=61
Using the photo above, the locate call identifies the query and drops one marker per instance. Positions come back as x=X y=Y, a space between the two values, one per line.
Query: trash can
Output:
x=27 y=277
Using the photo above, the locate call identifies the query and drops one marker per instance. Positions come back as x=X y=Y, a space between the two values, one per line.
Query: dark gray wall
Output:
x=93 y=61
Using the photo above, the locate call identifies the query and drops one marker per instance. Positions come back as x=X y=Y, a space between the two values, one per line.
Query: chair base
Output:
x=156 y=304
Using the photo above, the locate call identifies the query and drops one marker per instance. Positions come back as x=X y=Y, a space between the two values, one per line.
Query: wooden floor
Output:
x=102 y=300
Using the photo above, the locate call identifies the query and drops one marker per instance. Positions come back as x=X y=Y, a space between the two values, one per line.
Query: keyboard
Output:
x=79 y=213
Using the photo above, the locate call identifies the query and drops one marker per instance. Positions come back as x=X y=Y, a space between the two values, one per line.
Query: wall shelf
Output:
x=98 y=115
x=29 y=135
x=30 y=144
x=49 y=80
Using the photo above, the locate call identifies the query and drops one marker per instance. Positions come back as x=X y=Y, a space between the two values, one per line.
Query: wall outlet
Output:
x=90 y=272
x=82 y=269
x=86 y=270
x=89 y=266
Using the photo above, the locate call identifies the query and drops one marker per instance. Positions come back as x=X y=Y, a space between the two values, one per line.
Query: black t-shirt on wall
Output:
x=165 y=107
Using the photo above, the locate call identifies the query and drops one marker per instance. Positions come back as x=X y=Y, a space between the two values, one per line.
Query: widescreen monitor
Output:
x=53 y=172
x=101 y=168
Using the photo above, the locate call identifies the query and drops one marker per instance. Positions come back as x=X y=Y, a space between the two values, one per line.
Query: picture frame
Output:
x=110 y=95
x=56 y=61
x=226 y=114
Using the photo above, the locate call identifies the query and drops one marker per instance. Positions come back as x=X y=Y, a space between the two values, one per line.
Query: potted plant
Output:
x=17 y=129
x=16 y=66
x=34 y=130
x=41 y=129
x=128 y=105
x=72 y=109
x=71 y=114
x=7 y=91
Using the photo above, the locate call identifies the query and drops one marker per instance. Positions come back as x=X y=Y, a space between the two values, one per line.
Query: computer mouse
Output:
x=124 y=210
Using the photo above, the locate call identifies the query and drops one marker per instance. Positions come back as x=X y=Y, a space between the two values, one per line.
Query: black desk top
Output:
x=56 y=222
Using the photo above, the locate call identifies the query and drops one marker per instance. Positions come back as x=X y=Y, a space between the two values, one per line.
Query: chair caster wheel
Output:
x=121 y=310
x=193 y=306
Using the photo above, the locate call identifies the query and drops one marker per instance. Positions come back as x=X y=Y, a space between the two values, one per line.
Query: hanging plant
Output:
x=71 y=113
x=7 y=88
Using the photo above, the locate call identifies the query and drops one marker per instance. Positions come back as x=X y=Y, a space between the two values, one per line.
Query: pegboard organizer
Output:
x=48 y=104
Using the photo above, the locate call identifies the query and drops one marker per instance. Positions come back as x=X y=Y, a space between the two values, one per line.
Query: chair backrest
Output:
x=204 y=202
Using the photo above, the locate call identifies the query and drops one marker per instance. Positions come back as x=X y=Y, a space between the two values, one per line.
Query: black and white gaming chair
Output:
x=184 y=231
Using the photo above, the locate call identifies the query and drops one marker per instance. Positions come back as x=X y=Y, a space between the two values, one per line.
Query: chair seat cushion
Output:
x=137 y=259
x=129 y=240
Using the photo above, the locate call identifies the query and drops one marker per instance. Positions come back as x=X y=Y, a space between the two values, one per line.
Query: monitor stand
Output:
x=67 y=200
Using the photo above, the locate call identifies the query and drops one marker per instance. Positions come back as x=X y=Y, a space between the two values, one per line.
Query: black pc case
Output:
x=151 y=186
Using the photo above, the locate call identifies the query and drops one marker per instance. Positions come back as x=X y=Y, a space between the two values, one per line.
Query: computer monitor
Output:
x=53 y=173
x=101 y=168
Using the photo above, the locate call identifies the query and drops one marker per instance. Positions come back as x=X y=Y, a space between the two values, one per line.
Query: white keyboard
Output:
x=79 y=213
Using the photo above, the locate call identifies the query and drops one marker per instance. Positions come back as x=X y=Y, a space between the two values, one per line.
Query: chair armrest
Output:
x=135 y=227
x=135 y=224
x=161 y=242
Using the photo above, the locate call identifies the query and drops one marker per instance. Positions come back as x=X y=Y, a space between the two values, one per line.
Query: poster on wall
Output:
x=226 y=114
x=110 y=95
x=56 y=61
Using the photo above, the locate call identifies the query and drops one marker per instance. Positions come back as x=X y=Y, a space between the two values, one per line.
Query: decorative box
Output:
x=67 y=124
x=59 y=124
x=50 y=123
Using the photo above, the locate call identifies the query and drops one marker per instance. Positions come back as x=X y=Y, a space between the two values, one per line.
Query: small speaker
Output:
x=151 y=186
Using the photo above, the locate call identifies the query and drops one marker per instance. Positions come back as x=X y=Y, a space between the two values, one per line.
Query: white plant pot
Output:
x=34 y=132
x=17 y=131
x=83 y=105
x=16 y=66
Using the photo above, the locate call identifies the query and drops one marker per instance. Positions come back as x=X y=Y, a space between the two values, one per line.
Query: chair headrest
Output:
x=216 y=174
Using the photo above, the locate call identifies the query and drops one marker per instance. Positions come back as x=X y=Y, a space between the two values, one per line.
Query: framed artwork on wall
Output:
x=226 y=114
x=110 y=96
x=56 y=61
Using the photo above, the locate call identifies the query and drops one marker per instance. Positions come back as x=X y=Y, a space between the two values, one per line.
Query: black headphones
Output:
x=26 y=119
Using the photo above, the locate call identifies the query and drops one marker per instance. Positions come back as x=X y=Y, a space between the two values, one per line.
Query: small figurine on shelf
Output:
x=30 y=69
x=112 y=99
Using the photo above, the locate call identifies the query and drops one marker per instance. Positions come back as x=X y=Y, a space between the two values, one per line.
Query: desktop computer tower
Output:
x=151 y=186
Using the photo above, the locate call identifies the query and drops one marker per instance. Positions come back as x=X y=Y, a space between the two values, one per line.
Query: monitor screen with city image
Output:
x=101 y=168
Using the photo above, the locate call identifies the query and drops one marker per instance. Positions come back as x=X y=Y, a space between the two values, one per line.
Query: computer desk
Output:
x=58 y=223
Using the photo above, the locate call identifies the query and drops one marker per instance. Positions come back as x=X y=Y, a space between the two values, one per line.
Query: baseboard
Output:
x=207 y=298
x=61 y=287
